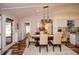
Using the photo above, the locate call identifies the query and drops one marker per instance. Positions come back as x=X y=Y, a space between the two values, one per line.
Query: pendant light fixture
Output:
x=46 y=18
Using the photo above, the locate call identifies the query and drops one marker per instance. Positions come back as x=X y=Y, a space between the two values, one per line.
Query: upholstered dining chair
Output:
x=65 y=37
x=30 y=39
x=43 y=42
x=57 y=40
x=41 y=32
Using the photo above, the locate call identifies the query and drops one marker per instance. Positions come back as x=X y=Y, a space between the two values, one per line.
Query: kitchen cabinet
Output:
x=74 y=39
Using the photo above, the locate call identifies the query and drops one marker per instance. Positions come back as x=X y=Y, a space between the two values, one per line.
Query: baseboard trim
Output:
x=6 y=51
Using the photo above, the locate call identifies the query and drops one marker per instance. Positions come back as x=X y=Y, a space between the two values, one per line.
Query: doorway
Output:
x=27 y=26
x=9 y=31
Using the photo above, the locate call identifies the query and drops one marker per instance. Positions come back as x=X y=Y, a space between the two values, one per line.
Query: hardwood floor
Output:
x=74 y=48
x=18 y=48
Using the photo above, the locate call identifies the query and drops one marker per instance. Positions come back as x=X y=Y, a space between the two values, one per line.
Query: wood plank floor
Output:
x=74 y=48
x=18 y=48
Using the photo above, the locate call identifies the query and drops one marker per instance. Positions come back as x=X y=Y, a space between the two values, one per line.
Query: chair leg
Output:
x=66 y=44
x=60 y=48
x=28 y=44
x=39 y=48
x=53 y=48
x=47 y=48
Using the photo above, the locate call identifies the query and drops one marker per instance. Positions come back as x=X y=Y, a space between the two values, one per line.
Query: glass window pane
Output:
x=8 y=29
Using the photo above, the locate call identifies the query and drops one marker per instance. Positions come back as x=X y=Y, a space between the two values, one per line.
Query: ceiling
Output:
x=21 y=5
x=21 y=10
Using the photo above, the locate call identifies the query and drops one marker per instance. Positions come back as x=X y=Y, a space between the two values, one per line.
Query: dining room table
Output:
x=37 y=38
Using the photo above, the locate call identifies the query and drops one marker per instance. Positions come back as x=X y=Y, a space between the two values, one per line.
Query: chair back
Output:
x=65 y=36
x=41 y=32
x=43 y=39
x=57 y=38
x=29 y=37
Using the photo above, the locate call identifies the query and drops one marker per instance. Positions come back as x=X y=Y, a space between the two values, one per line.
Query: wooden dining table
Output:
x=37 y=38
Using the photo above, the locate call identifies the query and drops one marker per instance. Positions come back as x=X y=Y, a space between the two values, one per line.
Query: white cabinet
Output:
x=73 y=38
x=77 y=39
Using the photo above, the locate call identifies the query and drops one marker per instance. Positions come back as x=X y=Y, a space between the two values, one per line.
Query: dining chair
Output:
x=43 y=42
x=30 y=39
x=41 y=32
x=65 y=37
x=57 y=40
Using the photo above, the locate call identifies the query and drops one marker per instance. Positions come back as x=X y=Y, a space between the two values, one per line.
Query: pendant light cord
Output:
x=43 y=13
x=46 y=12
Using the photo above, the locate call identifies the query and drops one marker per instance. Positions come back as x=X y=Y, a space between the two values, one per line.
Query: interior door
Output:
x=0 y=35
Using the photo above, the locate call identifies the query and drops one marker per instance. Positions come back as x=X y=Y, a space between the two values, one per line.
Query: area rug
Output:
x=33 y=50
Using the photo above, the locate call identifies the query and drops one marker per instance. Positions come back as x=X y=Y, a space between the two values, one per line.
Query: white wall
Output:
x=59 y=15
x=0 y=35
x=4 y=46
x=57 y=22
x=77 y=23
x=0 y=24
x=33 y=20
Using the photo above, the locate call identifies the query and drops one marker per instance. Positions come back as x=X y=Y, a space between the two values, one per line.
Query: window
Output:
x=9 y=30
x=27 y=27
x=70 y=25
